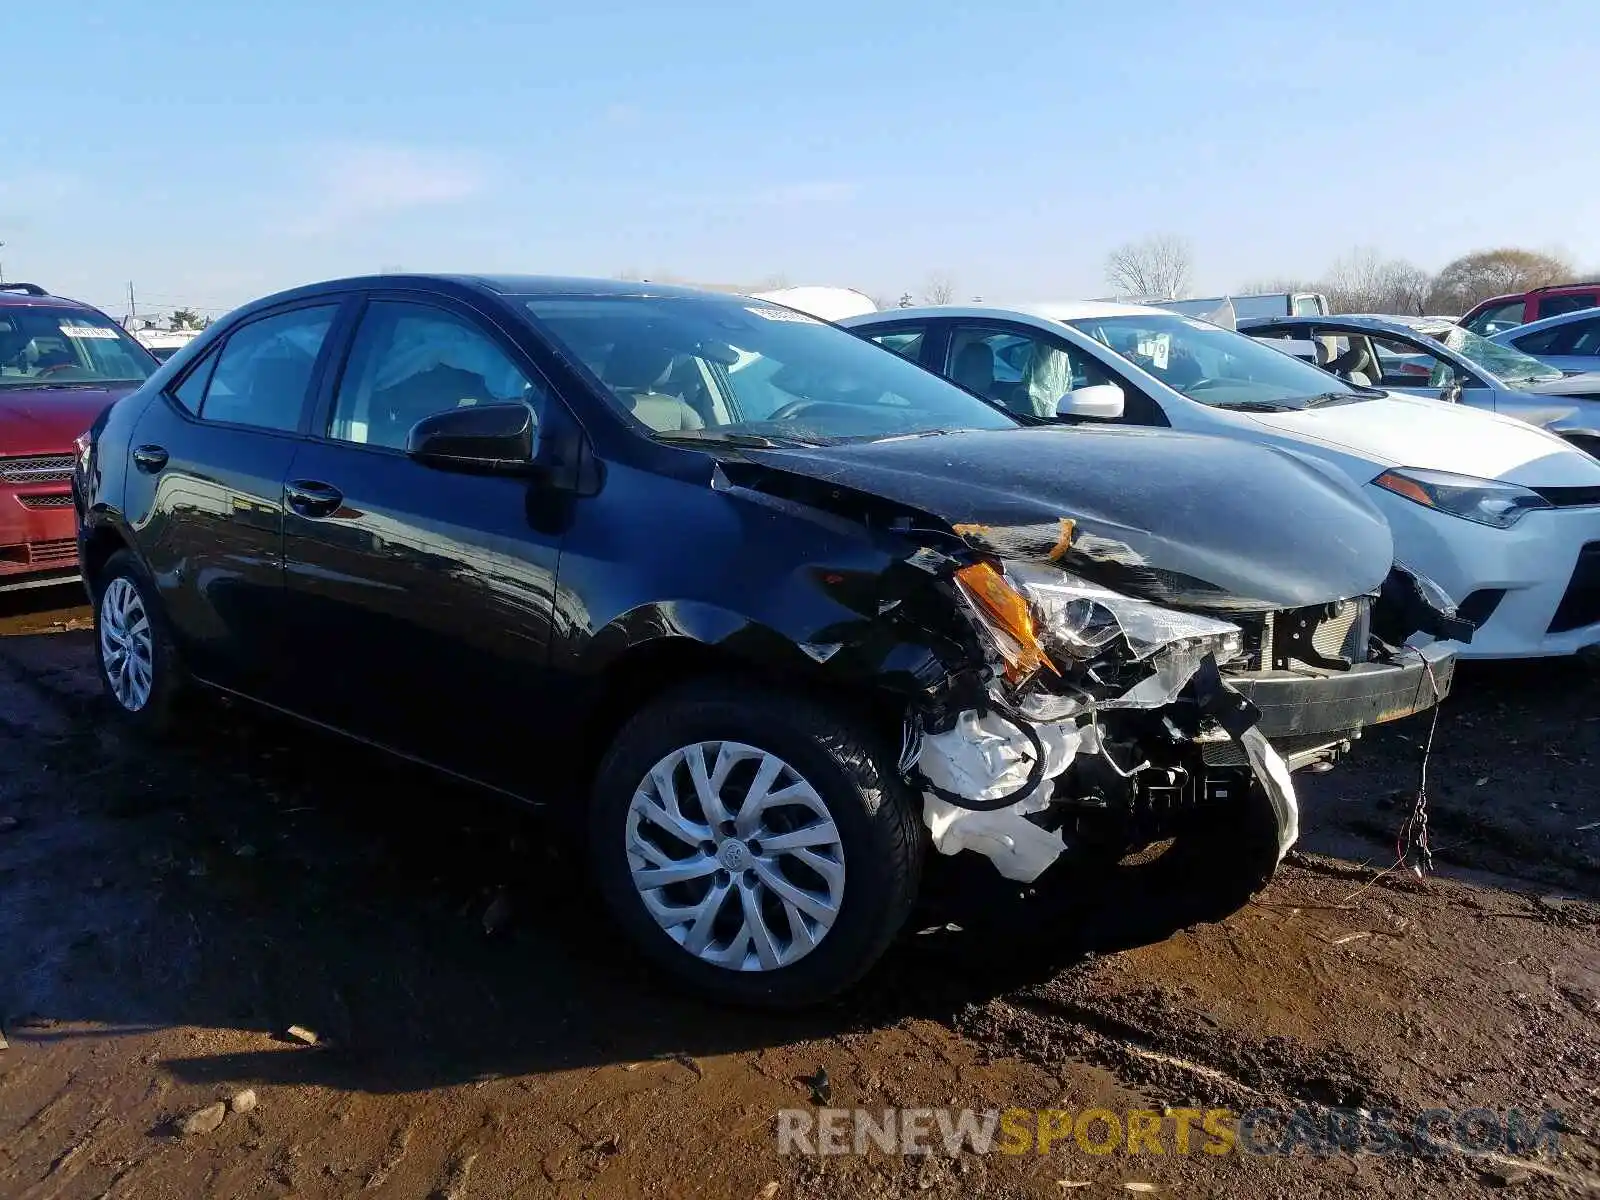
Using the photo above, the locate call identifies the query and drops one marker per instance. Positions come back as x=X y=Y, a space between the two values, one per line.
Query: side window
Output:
x=1588 y=337
x=1401 y=364
x=1574 y=337
x=1307 y=306
x=192 y=391
x=1501 y=316
x=907 y=343
x=410 y=361
x=1028 y=372
x=1554 y=306
x=265 y=367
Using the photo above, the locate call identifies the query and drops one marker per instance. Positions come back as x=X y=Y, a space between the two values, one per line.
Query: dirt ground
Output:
x=167 y=913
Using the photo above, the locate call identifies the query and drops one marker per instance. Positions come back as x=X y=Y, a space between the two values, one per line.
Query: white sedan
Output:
x=1504 y=516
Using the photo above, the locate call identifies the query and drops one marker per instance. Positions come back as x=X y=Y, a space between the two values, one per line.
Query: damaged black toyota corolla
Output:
x=778 y=607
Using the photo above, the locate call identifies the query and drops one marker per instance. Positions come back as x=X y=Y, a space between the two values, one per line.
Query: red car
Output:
x=61 y=364
x=1518 y=308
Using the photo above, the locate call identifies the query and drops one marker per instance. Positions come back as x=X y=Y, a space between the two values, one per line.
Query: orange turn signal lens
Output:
x=1007 y=614
x=1393 y=481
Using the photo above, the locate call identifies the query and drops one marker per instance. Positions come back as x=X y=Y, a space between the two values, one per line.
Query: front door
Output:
x=1028 y=370
x=1416 y=369
x=206 y=486
x=420 y=599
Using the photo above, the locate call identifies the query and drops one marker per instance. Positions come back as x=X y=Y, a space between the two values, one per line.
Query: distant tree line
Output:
x=1363 y=280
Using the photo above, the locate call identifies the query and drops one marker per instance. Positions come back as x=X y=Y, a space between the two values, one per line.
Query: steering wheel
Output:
x=791 y=410
x=52 y=368
x=1201 y=384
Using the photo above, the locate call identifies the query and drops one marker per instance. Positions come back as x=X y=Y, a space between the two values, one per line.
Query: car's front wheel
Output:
x=760 y=848
x=139 y=667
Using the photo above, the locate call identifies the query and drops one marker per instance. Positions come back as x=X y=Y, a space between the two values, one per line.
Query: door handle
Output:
x=310 y=498
x=149 y=459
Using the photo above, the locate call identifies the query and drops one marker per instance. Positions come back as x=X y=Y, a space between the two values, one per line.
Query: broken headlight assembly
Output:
x=1484 y=501
x=1032 y=611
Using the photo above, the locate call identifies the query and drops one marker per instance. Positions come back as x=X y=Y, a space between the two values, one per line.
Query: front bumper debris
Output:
x=1294 y=704
x=1099 y=701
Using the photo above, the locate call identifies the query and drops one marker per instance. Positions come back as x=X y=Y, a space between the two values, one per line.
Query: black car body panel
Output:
x=1178 y=519
x=481 y=621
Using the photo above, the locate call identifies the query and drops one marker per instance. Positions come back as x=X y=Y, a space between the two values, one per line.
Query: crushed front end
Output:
x=1103 y=722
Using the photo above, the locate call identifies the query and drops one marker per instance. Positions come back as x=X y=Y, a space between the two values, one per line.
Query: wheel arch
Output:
x=100 y=540
x=637 y=672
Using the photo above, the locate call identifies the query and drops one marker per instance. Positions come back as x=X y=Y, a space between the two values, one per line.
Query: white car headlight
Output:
x=1082 y=618
x=1485 y=501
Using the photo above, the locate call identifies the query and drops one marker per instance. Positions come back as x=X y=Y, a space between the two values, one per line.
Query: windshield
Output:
x=63 y=347
x=729 y=368
x=1216 y=366
x=1504 y=363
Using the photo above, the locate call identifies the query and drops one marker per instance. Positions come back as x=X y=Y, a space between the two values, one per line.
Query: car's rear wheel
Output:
x=139 y=667
x=761 y=849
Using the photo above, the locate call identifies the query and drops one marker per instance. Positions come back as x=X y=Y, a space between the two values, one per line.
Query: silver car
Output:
x=1569 y=341
x=1429 y=356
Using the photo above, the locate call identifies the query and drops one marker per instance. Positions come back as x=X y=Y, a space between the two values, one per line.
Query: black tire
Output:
x=167 y=677
x=872 y=808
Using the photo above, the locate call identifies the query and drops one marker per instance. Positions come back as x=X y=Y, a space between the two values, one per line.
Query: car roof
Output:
x=1063 y=310
x=1578 y=285
x=13 y=295
x=500 y=285
x=1566 y=318
x=1368 y=322
x=491 y=285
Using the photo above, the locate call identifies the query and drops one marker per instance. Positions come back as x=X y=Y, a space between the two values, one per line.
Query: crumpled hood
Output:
x=45 y=420
x=1412 y=431
x=1180 y=519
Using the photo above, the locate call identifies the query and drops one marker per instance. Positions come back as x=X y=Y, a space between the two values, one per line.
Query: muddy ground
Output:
x=166 y=914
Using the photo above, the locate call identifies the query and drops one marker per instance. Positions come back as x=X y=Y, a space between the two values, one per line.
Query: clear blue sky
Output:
x=214 y=152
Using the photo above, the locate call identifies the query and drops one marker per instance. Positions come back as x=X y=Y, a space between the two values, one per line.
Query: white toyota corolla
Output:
x=1501 y=514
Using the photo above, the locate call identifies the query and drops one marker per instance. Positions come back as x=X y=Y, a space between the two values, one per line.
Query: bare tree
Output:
x=939 y=288
x=1484 y=273
x=1158 y=268
x=1281 y=283
x=1363 y=281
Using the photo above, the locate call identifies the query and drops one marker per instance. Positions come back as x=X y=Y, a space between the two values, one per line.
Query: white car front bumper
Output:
x=1550 y=582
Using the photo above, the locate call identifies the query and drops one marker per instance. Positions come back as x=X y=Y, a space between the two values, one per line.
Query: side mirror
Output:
x=478 y=437
x=1101 y=402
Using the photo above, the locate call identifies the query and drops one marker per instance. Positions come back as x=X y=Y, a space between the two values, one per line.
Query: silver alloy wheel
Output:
x=735 y=856
x=127 y=645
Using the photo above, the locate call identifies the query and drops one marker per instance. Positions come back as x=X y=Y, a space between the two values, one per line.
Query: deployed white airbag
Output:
x=985 y=758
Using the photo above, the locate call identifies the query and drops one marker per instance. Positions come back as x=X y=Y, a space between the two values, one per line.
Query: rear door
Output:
x=205 y=489
x=420 y=600
x=1571 y=346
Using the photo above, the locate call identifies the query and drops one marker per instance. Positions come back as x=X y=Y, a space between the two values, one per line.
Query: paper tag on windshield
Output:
x=89 y=331
x=1156 y=349
x=782 y=314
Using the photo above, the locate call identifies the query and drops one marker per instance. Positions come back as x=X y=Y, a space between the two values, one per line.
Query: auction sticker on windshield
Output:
x=89 y=331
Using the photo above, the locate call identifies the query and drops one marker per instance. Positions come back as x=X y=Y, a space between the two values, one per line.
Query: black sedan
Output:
x=779 y=608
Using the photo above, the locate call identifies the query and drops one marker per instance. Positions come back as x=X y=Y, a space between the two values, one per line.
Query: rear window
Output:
x=44 y=347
